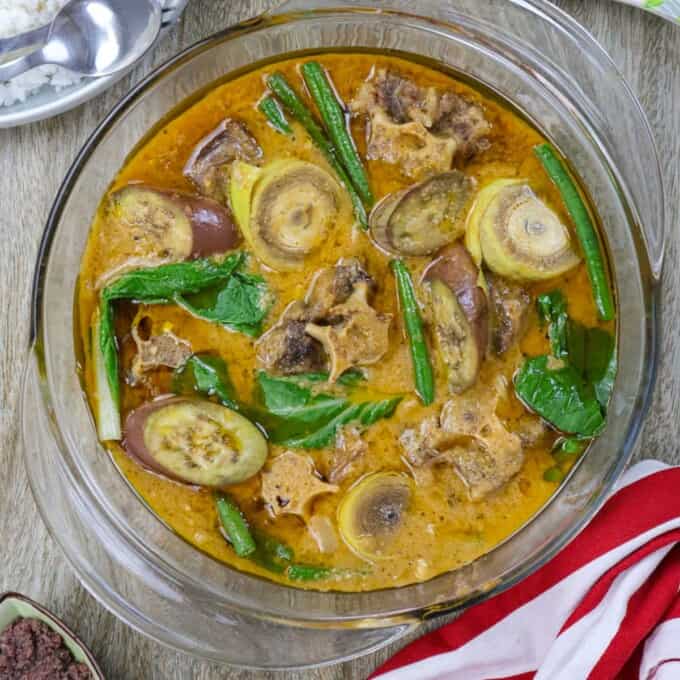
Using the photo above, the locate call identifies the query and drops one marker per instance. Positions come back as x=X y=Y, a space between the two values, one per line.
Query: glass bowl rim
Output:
x=164 y=70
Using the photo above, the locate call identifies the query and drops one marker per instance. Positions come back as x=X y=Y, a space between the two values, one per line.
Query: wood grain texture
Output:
x=33 y=161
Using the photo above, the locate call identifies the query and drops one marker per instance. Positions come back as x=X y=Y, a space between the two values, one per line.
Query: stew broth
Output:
x=444 y=528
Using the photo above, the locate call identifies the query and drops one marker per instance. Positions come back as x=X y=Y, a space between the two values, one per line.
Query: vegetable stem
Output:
x=333 y=117
x=422 y=367
x=272 y=111
x=105 y=360
x=235 y=526
x=585 y=230
x=278 y=84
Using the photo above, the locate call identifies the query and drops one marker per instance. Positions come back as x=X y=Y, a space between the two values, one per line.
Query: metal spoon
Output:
x=94 y=37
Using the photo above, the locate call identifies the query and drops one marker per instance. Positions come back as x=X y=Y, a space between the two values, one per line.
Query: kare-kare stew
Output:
x=347 y=321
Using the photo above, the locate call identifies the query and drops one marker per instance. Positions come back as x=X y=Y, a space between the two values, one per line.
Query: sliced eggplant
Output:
x=460 y=314
x=208 y=165
x=294 y=206
x=423 y=218
x=372 y=513
x=520 y=237
x=173 y=225
x=194 y=441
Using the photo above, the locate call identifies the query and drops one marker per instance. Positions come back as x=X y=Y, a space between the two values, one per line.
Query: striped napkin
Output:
x=607 y=606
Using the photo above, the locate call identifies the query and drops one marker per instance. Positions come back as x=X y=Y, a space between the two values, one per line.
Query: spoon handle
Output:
x=16 y=67
x=37 y=36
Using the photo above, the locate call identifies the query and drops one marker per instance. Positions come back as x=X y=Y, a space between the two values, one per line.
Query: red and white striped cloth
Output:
x=607 y=606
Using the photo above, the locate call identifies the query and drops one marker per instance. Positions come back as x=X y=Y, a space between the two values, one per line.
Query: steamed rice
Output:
x=19 y=16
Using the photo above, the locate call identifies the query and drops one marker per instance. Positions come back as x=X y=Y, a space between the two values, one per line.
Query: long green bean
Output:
x=587 y=236
x=272 y=546
x=307 y=572
x=420 y=355
x=278 y=84
x=271 y=109
x=235 y=526
x=333 y=117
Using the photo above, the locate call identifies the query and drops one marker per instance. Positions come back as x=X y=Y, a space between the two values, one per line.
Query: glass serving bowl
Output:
x=527 y=51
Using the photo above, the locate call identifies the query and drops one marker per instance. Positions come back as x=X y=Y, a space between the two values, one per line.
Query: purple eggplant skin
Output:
x=212 y=225
x=133 y=436
x=175 y=223
x=455 y=268
x=196 y=441
x=208 y=166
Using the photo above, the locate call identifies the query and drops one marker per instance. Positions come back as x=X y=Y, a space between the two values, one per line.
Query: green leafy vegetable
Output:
x=600 y=363
x=551 y=305
x=568 y=448
x=288 y=400
x=365 y=413
x=349 y=378
x=577 y=341
x=241 y=305
x=590 y=351
x=560 y=396
x=552 y=309
x=211 y=289
x=299 y=418
x=215 y=291
x=554 y=474
x=206 y=374
x=158 y=285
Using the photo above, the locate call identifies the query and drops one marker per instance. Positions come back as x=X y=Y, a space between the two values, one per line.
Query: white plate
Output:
x=48 y=101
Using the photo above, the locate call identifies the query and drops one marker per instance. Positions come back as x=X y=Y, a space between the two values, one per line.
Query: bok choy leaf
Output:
x=572 y=390
x=105 y=359
x=300 y=418
x=213 y=290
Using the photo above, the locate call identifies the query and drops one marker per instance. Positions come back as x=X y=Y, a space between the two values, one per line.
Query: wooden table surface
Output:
x=33 y=161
